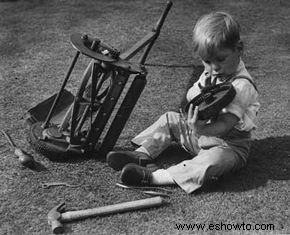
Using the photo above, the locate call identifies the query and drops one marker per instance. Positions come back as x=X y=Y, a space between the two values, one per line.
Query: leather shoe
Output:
x=118 y=159
x=133 y=174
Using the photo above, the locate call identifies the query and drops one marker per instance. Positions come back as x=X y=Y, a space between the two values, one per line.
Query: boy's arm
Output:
x=194 y=90
x=220 y=127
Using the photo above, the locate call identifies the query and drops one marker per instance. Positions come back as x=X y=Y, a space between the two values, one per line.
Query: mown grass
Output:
x=35 y=53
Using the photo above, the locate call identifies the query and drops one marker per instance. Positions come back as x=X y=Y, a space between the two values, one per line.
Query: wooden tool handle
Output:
x=112 y=209
x=8 y=138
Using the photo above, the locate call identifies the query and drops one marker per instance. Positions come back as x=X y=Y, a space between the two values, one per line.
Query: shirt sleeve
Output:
x=195 y=90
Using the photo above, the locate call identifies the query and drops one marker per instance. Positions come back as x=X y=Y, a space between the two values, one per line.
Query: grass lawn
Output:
x=35 y=53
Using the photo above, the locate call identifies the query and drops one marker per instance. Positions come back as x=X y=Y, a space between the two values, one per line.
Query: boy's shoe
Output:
x=133 y=174
x=117 y=160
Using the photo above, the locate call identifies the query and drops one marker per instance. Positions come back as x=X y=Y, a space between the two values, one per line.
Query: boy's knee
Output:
x=221 y=164
x=170 y=116
x=219 y=159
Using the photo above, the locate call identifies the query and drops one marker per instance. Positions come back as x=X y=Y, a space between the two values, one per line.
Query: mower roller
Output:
x=212 y=100
x=66 y=125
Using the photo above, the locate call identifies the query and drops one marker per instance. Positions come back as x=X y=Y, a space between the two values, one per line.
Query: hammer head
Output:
x=54 y=218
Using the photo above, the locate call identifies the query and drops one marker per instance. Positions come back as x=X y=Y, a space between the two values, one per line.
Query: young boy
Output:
x=218 y=145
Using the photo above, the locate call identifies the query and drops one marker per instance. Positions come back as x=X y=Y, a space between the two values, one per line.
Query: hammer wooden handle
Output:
x=112 y=209
x=8 y=138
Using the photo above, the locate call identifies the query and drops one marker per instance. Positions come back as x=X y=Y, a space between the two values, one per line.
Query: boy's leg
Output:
x=153 y=140
x=160 y=135
x=190 y=174
x=214 y=162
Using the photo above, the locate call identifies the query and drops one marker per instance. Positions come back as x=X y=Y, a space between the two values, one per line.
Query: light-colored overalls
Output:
x=212 y=156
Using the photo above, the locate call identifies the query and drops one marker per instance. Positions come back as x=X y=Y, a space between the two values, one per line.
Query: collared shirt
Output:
x=245 y=105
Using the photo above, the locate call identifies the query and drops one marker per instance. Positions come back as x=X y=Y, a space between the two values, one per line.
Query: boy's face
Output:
x=223 y=61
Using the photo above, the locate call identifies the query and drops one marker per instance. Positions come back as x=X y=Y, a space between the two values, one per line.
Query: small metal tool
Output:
x=153 y=191
x=54 y=184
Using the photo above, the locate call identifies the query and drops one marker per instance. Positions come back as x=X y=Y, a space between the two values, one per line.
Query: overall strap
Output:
x=245 y=77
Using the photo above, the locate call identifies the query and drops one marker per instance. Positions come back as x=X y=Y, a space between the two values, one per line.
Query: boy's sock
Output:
x=162 y=177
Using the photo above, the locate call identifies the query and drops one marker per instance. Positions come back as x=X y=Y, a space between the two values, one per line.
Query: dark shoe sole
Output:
x=117 y=160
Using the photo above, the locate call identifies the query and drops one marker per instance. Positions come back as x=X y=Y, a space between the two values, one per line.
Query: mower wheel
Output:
x=54 y=150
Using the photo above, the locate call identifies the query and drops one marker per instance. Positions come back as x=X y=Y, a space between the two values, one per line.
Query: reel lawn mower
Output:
x=66 y=125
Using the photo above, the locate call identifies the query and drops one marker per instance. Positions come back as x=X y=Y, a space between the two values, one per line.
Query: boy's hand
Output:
x=192 y=120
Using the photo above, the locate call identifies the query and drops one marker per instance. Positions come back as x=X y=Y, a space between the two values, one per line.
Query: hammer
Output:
x=57 y=215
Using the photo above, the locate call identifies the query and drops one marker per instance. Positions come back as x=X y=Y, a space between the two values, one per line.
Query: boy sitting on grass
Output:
x=218 y=145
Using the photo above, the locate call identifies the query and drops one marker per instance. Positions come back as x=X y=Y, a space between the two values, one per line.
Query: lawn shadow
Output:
x=268 y=160
x=38 y=167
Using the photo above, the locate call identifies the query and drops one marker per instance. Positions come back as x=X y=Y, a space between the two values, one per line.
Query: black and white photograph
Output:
x=133 y=117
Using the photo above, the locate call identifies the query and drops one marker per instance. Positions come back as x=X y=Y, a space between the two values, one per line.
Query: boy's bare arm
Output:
x=220 y=127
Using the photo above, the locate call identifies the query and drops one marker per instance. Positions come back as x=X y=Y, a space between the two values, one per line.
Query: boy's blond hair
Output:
x=215 y=30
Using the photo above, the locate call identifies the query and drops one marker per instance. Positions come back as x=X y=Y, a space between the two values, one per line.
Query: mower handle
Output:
x=161 y=20
x=148 y=40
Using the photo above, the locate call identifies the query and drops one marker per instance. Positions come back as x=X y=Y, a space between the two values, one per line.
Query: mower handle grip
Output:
x=161 y=20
